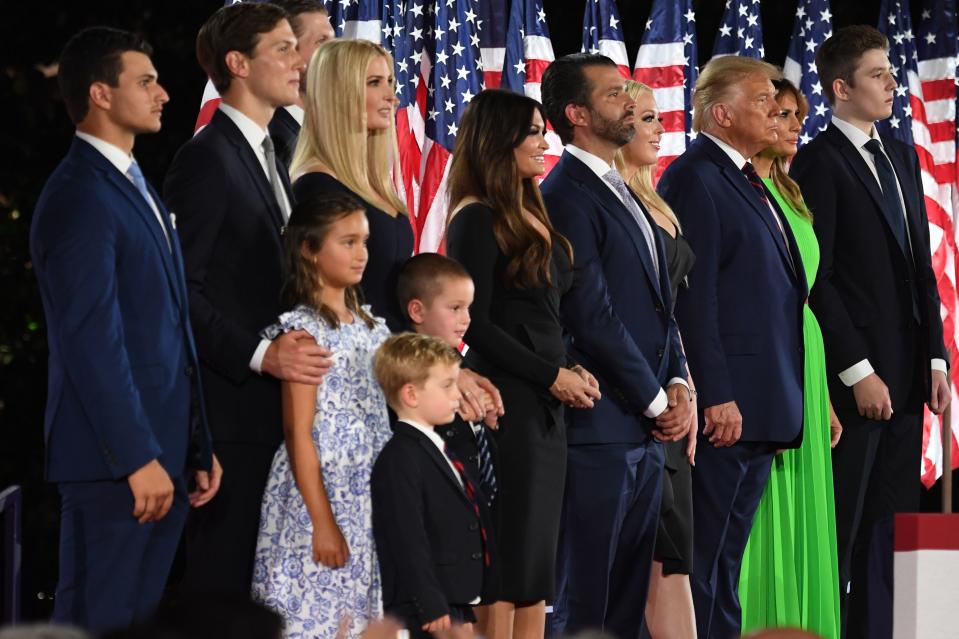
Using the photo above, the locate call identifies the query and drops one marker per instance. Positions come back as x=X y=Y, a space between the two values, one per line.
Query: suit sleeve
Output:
x=698 y=308
x=78 y=254
x=588 y=312
x=400 y=530
x=471 y=242
x=816 y=179
x=927 y=276
x=196 y=189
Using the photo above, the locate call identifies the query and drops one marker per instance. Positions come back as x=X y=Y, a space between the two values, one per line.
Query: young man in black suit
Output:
x=231 y=197
x=430 y=519
x=311 y=26
x=877 y=303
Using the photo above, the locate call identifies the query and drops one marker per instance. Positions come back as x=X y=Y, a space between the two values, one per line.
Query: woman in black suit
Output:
x=520 y=267
x=346 y=145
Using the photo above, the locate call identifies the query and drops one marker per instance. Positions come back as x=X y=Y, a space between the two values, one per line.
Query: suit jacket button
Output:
x=658 y=308
x=659 y=353
x=189 y=371
x=450 y=433
x=476 y=556
x=474 y=526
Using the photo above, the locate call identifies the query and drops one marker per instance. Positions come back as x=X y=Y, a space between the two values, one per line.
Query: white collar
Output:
x=733 y=154
x=296 y=111
x=429 y=432
x=596 y=164
x=854 y=133
x=111 y=152
x=251 y=130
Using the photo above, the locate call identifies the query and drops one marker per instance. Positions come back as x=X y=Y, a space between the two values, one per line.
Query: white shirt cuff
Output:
x=256 y=362
x=677 y=380
x=939 y=365
x=657 y=406
x=856 y=373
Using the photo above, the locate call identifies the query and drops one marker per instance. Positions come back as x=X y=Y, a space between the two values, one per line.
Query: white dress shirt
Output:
x=862 y=369
x=598 y=166
x=297 y=112
x=254 y=135
x=438 y=442
x=122 y=162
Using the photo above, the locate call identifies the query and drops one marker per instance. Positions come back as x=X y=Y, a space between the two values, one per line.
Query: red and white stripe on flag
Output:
x=660 y=66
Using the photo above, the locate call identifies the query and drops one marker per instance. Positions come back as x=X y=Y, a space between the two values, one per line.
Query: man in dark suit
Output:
x=232 y=196
x=124 y=422
x=741 y=320
x=877 y=303
x=430 y=516
x=619 y=328
x=311 y=26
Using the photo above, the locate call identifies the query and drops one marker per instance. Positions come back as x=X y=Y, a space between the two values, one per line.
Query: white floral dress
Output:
x=350 y=427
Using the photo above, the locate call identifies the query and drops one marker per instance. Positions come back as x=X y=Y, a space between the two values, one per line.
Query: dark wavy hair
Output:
x=305 y=233
x=484 y=167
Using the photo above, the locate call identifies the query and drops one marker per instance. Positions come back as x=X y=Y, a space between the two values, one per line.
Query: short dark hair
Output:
x=295 y=8
x=839 y=55
x=93 y=55
x=565 y=83
x=422 y=276
x=235 y=27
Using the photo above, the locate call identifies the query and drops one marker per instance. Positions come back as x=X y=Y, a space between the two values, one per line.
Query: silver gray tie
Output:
x=275 y=181
x=616 y=181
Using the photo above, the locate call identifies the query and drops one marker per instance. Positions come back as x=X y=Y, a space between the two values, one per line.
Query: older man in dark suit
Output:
x=232 y=197
x=741 y=320
x=124 y=421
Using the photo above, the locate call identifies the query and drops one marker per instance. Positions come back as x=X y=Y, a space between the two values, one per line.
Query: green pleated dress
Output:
x=789 y=573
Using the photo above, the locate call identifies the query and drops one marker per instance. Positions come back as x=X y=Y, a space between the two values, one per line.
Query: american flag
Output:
x=602 y=33
x=937 y=49
x=211 y=98
x=813 y=25
x=667 y=62
x=528 y=52
x=355 y=19
x=405 y=39
x=454 y=79
x=491 y=28
x=741 y=30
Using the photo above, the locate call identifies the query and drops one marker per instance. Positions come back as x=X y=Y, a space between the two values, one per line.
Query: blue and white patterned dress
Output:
x=350 y=427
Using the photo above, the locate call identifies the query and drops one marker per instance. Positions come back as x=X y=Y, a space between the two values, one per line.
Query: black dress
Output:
x=516 y=340
x=674 y=540
x=390 y=245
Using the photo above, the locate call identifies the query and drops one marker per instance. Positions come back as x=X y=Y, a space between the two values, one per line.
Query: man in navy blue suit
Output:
x=877 y=302
x=616 y=314
x=125 y=422
x=741 y=320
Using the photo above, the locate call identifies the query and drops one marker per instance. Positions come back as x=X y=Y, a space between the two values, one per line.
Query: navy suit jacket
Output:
x=617 y=311
x=231 y=224
x=284 y=130
x=741 y=316
x=122 y=358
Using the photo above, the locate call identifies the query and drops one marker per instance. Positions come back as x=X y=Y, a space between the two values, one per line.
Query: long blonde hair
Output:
x=641 y=182
x=334 y=132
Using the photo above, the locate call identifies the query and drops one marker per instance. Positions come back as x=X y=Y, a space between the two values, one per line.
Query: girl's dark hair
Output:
x=484 y=167
x=306 y=231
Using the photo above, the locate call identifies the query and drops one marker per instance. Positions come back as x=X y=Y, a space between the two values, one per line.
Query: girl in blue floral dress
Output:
x=315 y=559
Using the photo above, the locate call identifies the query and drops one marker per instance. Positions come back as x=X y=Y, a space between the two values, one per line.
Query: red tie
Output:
x=471 y=496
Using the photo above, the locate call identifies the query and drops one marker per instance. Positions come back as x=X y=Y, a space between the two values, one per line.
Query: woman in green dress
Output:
x=789 y=574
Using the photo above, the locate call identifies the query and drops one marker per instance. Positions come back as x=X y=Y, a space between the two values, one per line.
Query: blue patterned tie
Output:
x=487 y=476
x=140 y=182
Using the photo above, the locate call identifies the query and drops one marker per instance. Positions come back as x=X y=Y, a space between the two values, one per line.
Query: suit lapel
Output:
x=911 y=215
x=435 y=454
x=254 y=168
x=597 y=189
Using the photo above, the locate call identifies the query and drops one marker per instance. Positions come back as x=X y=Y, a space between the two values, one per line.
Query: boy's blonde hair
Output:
x=406 y=358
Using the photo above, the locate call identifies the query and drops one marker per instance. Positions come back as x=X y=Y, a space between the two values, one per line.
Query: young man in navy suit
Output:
x=124 y=423
x=430 y=516
x=232 y=196
x=741 y=320
x=877 y=302
x=616 y=314
x=311 y=26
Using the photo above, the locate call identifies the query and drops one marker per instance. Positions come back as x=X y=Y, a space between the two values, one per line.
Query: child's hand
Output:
x=443 y=623
x=329 y=546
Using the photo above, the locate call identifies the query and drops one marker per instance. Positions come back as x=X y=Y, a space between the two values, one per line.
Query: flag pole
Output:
x=947 y=460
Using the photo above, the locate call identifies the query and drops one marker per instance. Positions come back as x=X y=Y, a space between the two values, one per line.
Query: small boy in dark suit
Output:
x=436 y=292
x=430 y=518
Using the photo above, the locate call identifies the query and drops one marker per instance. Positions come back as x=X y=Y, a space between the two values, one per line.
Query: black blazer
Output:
x=229 y=224
x=284 y=129
x=864 y=292
x=428 y=537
